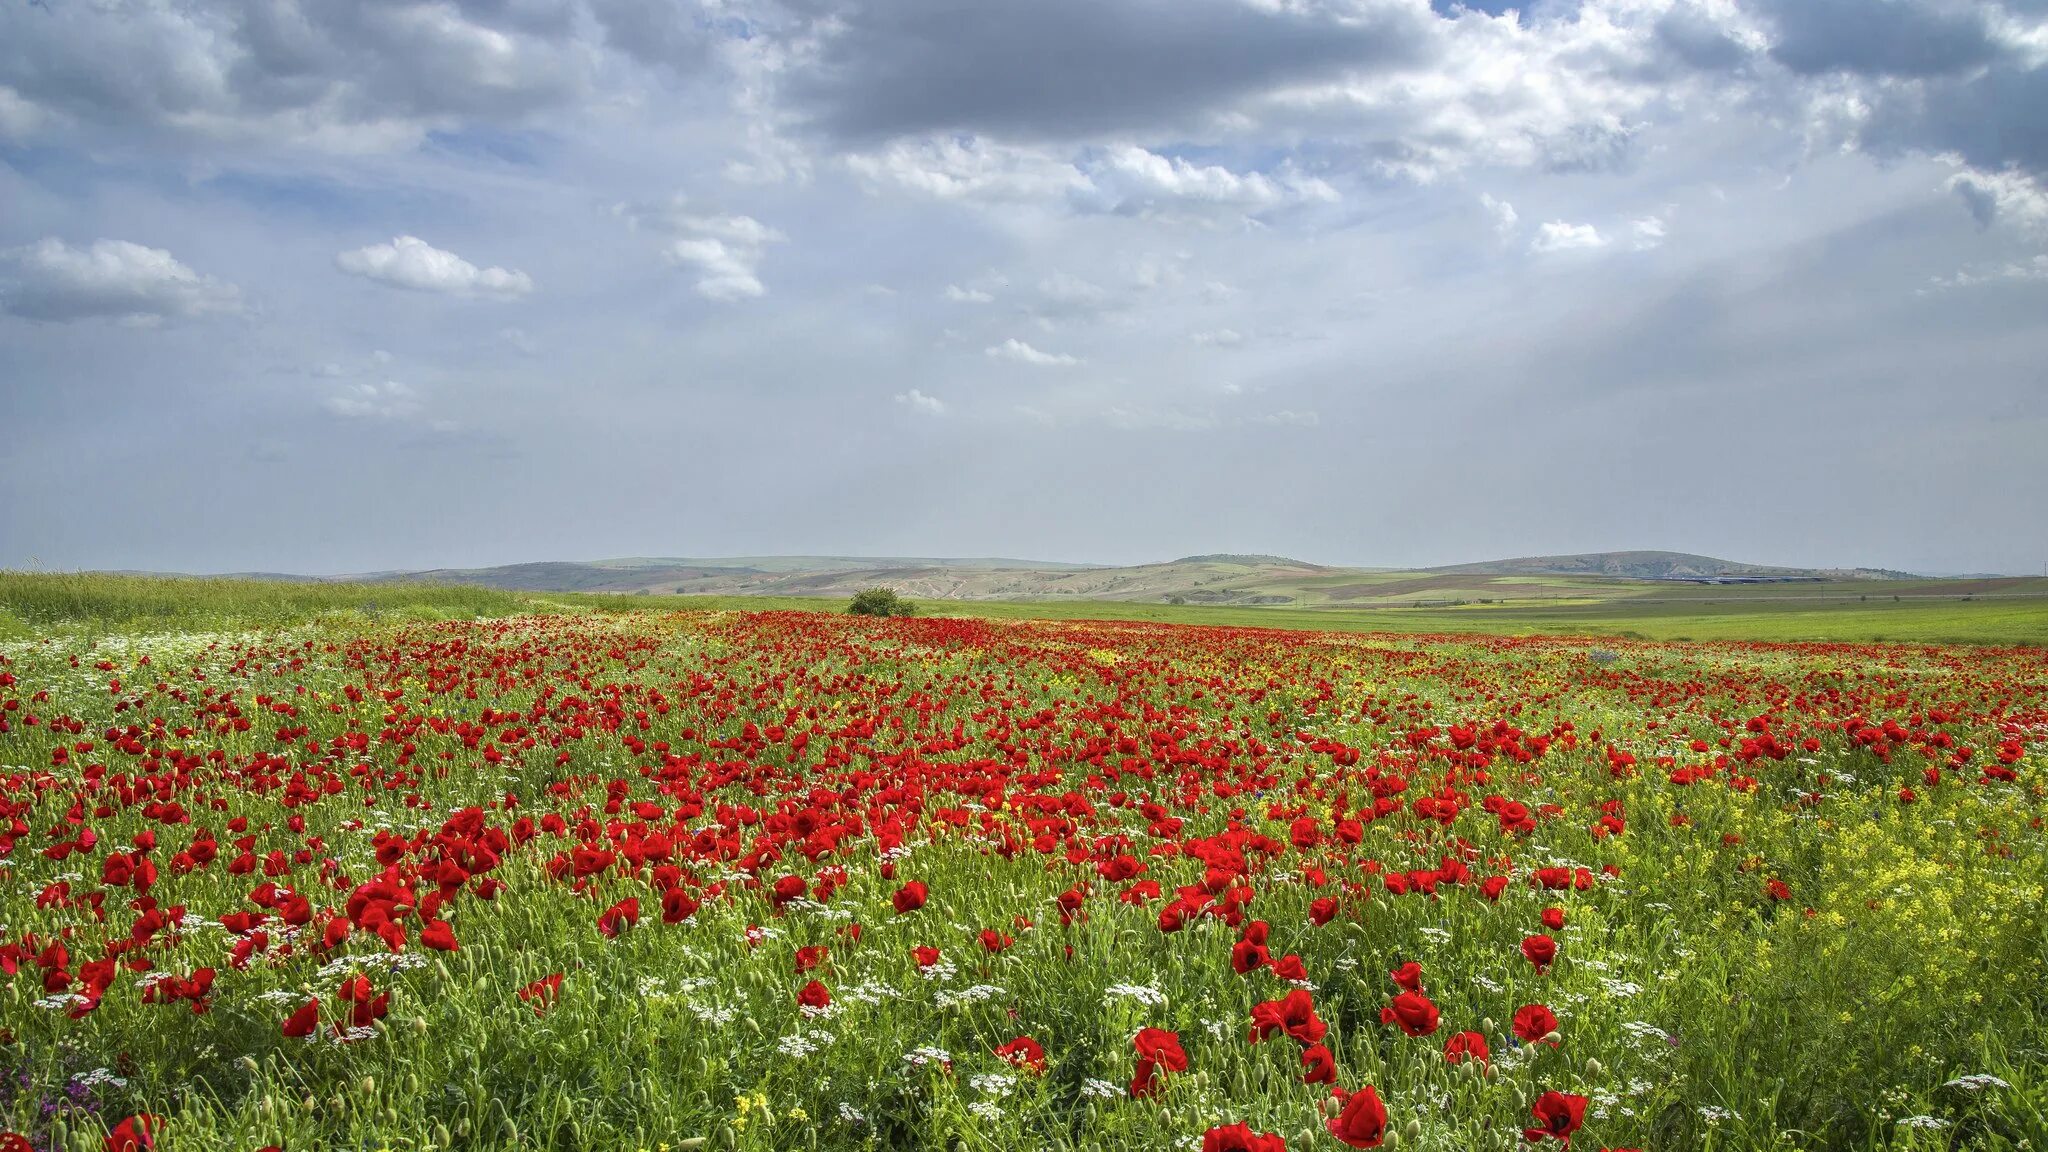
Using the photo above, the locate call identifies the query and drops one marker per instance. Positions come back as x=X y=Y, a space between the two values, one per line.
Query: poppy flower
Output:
x=811 y=956
x=1294 y=1014
x=814 y=996
x=1553 y=919
x=1162 y=1047
x=1413 y=1013
x=15 y=1142
x=1558 y=1115
x=1240 y=1138
x=1289 y=967
x=925 y=955
x=1540 y=950
x=541 y=993
x=1247 y=956
x=135 y=1134
x=1467 y=1046
x=1408 y=976
x=677 y=905
x=1534 y=1022
x=910 y=897
x=1363 y=1121
x=619 y=917
x=995 y=941
x=1322 y=910
x=1024 y=1052
x=440 y=936
x=1319 y=1066
x=302 y=1022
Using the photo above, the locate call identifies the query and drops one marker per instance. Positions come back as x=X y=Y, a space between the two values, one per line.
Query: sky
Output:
x=290 y=285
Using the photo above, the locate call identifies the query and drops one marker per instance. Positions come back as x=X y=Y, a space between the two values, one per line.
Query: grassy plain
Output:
x=1922 y=614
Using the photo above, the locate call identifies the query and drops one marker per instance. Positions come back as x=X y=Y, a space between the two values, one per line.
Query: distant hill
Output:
x=1657 y=566
x=1230 y=578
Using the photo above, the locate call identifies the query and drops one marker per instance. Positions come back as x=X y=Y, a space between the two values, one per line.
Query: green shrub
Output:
x=880 y=602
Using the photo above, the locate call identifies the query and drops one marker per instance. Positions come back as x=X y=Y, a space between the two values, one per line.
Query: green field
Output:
x=2017 y=614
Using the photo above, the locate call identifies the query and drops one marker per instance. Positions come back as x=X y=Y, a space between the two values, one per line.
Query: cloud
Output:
x=50 y=280
x=1503 y=214
x=968 y=168
x=388 y=400
x=1058 y=69
x=412 y=263
x=1558 y=236
x=917 y=401
x=1018 y=352
x=959 y=295
x=725 y=249
x=1128 y=177
x=344 y=76
x=2010 y=196
x=1288 y=418
x=1648 y=232
x=1219 y=338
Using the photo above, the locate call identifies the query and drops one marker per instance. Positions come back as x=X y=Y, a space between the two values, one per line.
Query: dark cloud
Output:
x=1912 y=38
x=1072 y=68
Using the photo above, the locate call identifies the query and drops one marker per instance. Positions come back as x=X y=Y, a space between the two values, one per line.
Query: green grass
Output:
x=94 y=602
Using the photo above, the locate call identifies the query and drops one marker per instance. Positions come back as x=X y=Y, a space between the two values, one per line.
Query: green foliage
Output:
x=880 y=602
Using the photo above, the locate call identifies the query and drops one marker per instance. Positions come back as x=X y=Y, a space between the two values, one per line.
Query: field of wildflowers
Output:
x=788 y=880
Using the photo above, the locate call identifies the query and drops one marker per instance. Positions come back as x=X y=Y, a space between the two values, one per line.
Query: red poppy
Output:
x=1540 y=950
x=1413 y=1013
x=1363 y=1121
x=910 y=897
x=1408 y=976
x=1558 y=1115
x=814 y=996
x=811 y=956
x=1289 y=967
x=1322 y=910
x=1162 y=1047
x=1553 y=919
x=925 y=955
x=135 y=1134
x=1294 y=1014
x=1248 y=956
x=1024 y=1052
x=1319 y=1066
x=1467 y=1046
x=541 y=993
x=677 y=905
x=995 y=941
x=15 y=1142
x=439 y=935
x=302 y=1022
x=619 y=917
x=1240 y=1138
x=1534 y=1023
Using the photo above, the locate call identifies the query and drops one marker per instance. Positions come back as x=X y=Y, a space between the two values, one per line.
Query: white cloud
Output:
x=1503 y=214
x=518 y=340
x=959 y=295
x=726 y=249
x=1219 y=338
x=2009 y=196
x=389 y=400
x=968 y=168
x=50 y=280
x=919 y=402
x=1127 y=173
x=410 y=262
x=1558 y=236
x=2034 y=271
x=1648 y=232
x=1018 y=352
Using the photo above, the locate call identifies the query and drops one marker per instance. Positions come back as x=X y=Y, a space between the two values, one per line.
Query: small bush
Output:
x=880 y=602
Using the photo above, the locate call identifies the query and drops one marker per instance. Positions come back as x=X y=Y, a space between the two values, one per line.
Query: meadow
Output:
x=326 y=867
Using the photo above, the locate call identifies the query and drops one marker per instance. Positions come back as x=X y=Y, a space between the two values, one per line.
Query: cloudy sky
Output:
x=323 y=287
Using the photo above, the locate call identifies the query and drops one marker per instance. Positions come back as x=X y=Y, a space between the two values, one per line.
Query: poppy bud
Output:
x=1551 y=1037
x=1593 y=1068
x=369 y=1085
x=249 y=1062
x=441 y=1136
x=309 y=1104
x=1412 y=1130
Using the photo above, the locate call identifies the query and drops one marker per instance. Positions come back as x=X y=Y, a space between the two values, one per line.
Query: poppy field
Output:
x=773 y=880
